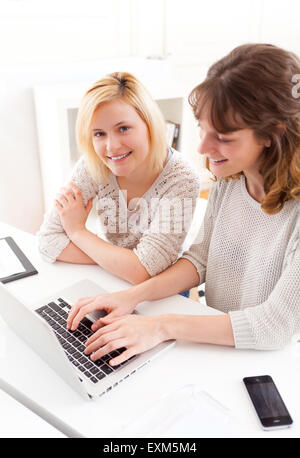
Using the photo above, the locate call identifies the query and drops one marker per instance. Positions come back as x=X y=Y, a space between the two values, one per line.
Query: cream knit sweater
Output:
x=250 y=263
x=152 y=229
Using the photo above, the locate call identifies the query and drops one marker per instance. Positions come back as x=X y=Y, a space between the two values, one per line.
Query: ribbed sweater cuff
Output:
x=243 y=336
x=50 y=252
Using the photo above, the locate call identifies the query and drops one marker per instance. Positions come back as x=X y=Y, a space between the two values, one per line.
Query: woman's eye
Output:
x=98 y=134
x=124 y=129
x=223 y=140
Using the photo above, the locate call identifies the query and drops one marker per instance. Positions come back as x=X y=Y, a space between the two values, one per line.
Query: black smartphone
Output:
x=267 y=402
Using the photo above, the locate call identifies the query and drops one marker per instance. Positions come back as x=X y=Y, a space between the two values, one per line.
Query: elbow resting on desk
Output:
x=71 y=254
x=138 y=276
x=133 y=272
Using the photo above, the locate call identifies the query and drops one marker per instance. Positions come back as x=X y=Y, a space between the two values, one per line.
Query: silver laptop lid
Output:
x=39 y=336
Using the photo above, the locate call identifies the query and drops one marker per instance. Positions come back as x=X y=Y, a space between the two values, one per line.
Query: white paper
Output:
x=201 y=419
x=185 y=413
x=9 y=262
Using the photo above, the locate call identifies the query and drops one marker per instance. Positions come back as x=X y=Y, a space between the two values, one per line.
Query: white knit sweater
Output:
x=153 y=234
x=250 y=263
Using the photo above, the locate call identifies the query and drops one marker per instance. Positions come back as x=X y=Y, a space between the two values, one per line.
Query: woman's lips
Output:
x=120 y=157
x=218 y=162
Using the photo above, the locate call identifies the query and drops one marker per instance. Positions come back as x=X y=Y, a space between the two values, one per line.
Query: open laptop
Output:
x=43 y=327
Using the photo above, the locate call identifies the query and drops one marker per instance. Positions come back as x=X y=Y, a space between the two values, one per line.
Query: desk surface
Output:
x=17 y=420
x=215 y=369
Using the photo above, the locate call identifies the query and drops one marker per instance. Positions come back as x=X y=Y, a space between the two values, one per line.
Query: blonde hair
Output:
x=254 y=83
x=126 y=87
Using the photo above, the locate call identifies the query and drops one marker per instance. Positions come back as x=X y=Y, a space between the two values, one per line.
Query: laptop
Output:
x=43 y=327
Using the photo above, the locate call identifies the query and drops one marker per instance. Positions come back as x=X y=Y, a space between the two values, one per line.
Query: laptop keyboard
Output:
x=56 y=314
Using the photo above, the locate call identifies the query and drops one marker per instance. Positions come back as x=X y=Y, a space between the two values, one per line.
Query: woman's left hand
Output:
x=72 y=211
x=136 y=333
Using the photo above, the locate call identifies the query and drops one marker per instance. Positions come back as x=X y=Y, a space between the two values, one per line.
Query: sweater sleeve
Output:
x=52 y=239
x=270 y=325
x=161 y=245
x=198 y=252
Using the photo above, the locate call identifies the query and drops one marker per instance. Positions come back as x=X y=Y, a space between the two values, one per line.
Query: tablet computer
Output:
x=13 y=262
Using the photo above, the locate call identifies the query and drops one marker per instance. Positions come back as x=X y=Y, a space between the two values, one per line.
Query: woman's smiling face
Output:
x=120 y=137
x=230 y=153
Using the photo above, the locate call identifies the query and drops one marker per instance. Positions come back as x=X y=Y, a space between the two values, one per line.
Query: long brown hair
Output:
x=252 y=87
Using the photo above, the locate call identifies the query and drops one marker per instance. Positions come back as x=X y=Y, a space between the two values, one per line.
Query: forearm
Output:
x=120 y=261
x=179 y=277
x=202 y=329
x=74 y=255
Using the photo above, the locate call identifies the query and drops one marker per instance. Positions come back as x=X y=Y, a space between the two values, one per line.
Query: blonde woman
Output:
x=145 y=191
x=248 y=250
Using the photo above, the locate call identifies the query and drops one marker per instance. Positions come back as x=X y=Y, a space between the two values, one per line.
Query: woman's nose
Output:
x=206 y=146
x=112 y=143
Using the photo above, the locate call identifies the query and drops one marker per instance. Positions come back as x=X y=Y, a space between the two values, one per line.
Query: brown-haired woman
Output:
x=248 y=249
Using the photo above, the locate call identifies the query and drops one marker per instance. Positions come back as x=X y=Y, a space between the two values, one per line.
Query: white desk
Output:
x=18 y=421
x=218 y=370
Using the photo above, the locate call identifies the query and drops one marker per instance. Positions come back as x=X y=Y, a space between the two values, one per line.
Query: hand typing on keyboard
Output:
x=73 y=343
x=136 y=333
x=115 y=304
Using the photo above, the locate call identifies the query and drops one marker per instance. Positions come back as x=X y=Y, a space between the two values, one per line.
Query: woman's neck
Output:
x=255 y=185
x=139 y=181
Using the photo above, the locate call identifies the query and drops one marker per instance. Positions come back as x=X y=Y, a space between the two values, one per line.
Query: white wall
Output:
x=58 y=41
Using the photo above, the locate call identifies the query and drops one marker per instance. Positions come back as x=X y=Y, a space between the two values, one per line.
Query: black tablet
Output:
x=29 y=269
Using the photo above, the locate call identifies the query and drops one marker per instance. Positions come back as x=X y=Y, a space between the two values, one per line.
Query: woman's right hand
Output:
x=115 y=304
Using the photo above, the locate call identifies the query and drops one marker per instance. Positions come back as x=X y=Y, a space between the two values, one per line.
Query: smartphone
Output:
x=267 y=402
